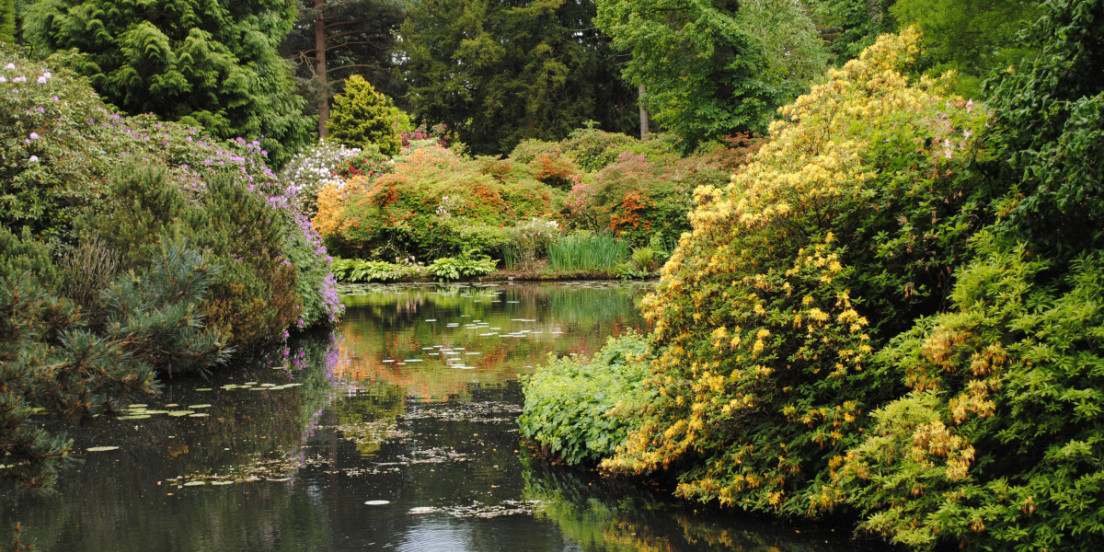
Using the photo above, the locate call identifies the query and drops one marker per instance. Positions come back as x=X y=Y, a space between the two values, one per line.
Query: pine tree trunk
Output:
x=320 y=68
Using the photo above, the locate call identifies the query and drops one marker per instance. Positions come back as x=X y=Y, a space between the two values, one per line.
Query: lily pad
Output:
x=195 y=483
x=178 y=413
x=101 y=448
x=199 y=406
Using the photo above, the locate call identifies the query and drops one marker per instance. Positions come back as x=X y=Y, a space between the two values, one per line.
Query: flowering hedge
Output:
x=433 y=203
x=769 y=311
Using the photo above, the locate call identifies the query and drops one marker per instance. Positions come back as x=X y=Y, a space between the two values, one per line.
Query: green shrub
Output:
x=60 y=146
x=434 y=204
x=362 y=117
x=529 y=240
x=635 y=198
x=54 y=357
x=594 y=149
x=581 y=410
x=254 y=296
x=997 y=446
x=645 y=258
x=360 y=271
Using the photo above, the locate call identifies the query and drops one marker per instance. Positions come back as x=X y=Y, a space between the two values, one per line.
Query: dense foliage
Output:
x=567 y=403
x=364 y=118
x=714 y=68
x=997 y=444
x=143 y=247
x=500 y=71
x=434 y=203
x=60 y=355
x=895 y=309
x=991 y=43
x=209 y=64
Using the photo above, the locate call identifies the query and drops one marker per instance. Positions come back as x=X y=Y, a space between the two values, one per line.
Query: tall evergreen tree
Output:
x=7 y=21
x=501 y=71
x=212 y=63
x=334 y=39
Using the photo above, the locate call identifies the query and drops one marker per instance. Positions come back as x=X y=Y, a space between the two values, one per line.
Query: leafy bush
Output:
x=60 y=146
x=594 y=149
x=529 y=240
x=359 y=271
x=462 y=266
x=434 y=203
x=635 y=198
x=764 y=327
x=362 y=117
x=580 y=411
x=998 y=443
x=54 y=357
x=254 y=297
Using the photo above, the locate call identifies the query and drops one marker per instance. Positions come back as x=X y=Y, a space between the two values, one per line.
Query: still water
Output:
x=396 y=431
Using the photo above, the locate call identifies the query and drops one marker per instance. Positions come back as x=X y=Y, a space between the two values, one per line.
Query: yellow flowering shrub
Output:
x=842 y=230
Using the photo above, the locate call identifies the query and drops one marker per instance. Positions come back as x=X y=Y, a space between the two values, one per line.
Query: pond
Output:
x=395 y=431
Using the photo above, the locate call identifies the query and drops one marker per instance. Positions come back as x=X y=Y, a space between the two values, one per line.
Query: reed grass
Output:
x=586 y=251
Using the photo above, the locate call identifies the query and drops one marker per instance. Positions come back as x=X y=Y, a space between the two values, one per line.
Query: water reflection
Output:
x=395 y=432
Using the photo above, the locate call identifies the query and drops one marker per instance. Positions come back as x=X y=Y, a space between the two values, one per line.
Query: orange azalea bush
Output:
x=432 y=203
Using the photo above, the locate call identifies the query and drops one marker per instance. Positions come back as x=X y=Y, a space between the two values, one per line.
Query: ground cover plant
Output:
x=568 y=403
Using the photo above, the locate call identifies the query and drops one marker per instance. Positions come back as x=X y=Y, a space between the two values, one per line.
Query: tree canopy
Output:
x=713 y=68
x=211 y=63
x=499 y=72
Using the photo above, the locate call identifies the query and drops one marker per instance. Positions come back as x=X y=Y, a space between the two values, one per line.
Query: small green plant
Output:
x=645 y=258
x=361 y=271
x=467 y=265
x=580 y=411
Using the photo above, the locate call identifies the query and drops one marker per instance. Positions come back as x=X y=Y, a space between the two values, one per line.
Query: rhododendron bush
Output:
x=433 y=203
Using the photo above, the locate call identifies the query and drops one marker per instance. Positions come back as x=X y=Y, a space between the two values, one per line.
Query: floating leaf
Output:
x=101 y=449
x=199 y=415
x=377 y=502
x=195 y=483
x=134 y=417
x=199 y=406
x=178 y=413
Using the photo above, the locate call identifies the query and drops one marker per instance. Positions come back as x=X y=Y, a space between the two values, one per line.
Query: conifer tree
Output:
x=7 y=21
x=209 y=63
x=362 y=116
